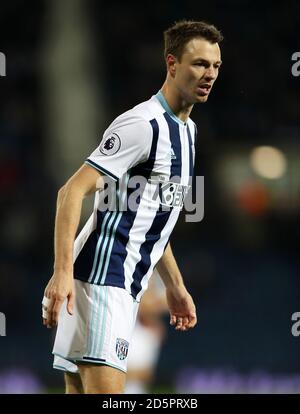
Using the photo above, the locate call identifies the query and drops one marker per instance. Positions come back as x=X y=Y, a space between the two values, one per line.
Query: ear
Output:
x=171 y=64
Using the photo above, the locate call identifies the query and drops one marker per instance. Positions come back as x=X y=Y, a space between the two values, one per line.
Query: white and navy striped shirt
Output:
x=121 y=248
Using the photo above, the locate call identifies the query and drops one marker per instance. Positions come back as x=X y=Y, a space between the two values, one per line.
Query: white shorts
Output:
x=100 y=329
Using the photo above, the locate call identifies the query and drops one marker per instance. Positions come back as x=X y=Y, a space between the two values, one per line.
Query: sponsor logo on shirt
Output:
x=169 y=193
x=172 y=194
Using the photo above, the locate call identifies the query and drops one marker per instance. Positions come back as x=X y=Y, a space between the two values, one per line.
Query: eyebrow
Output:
x=219 y=62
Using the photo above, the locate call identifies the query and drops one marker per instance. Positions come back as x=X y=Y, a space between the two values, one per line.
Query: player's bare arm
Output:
x=181 y=305
x=69 y=203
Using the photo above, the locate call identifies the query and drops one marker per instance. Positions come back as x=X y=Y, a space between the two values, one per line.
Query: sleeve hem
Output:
x=101 y=169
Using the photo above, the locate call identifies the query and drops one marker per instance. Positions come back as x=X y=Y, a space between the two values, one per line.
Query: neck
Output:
x=178 y=105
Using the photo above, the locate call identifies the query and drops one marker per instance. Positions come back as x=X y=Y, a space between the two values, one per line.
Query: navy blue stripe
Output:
x=152 y=236
x=101 y=169
x=94 y=359
x=106 y=235
x=190 y=156
x=145 y=168
x=84 y=262
x=176 y=145
x=115 y=272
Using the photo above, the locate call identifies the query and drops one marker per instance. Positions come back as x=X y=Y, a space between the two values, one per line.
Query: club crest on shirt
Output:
x=110 y=145
x=122 y=348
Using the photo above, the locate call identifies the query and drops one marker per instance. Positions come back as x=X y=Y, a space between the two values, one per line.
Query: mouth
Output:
x=204 y=89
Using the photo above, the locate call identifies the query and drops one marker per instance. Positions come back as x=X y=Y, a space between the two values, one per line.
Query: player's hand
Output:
x=60 y=286
x=182 y=308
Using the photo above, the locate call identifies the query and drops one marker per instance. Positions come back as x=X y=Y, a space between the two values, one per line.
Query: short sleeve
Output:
x=126 y=143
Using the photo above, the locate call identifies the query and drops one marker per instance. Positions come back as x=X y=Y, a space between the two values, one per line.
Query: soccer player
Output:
x=98 y=281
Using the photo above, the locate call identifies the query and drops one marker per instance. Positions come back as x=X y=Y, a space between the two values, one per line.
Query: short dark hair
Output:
x=177 y=36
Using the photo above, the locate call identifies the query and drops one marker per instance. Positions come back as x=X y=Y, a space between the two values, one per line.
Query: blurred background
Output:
x=72 y=66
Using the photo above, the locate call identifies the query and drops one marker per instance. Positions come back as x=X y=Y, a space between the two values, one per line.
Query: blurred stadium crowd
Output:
x=72 y=66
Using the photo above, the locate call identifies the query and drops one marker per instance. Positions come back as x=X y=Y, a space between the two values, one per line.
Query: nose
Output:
x=210 y=73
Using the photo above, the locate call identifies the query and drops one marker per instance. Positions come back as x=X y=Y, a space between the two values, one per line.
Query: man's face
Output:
x=197 y=71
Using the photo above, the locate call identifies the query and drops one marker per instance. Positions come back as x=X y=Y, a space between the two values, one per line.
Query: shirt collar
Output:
x=165 y=105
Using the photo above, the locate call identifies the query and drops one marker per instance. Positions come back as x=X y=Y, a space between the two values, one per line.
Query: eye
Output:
x=200 y=64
